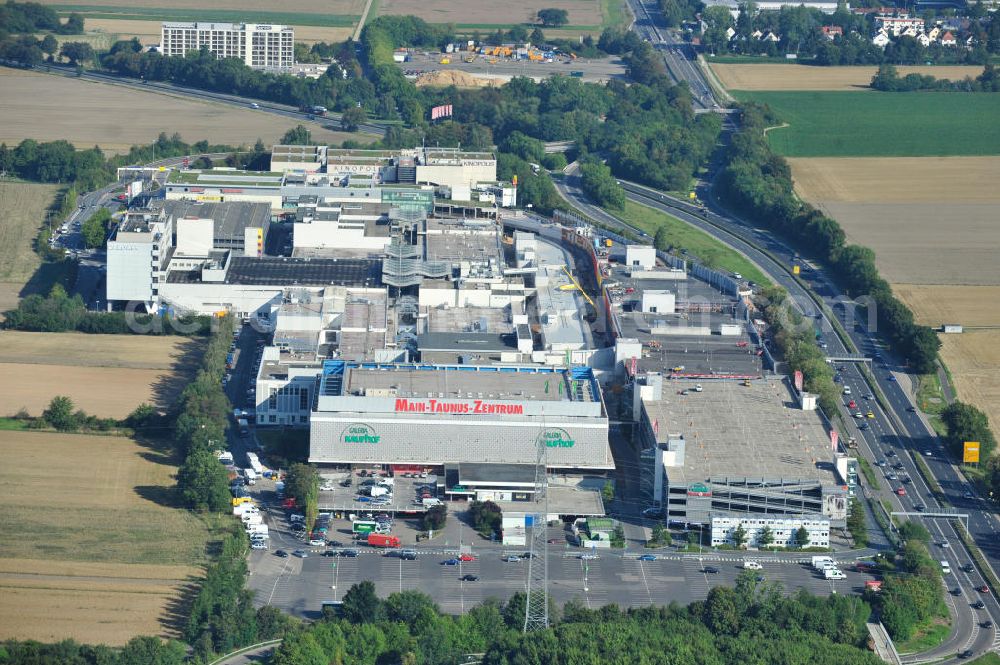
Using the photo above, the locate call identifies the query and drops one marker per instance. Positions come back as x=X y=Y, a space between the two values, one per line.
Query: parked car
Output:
x=450 y=562
x=511 y=558
x=302 y=554
x=466 y=557
x=711 y=570
x=469 y=578
x=647 y=557
x=281 y=553
x=349 y=553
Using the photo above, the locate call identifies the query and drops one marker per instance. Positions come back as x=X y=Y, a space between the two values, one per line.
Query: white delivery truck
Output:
x=226 y=457
x=834 y=574
x=822 y=562
x=245 y=509
x=250 y=519
x=251 y=476
x=378 y=491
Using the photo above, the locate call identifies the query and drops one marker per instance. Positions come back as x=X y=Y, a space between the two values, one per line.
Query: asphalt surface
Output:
x=300 y=585
x=678 y=56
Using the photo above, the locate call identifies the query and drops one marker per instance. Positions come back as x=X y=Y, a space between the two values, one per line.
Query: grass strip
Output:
x=977 y=556
x=869 y=472
x=683 y=236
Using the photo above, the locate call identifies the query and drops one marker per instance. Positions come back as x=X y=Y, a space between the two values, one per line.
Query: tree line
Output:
x=30 y=17
x=202 y=417
x=794 y=337
x=88 y=169
x=758 y=183
x=911 y=594
x=887 y=79
x=223 y=617
x=752 y=622
x=965 y=422
x=60 y=312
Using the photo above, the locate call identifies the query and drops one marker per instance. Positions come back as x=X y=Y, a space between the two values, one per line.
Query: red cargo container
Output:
x=380 y=540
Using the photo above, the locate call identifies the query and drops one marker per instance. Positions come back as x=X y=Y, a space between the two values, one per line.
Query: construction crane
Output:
x=575 y=286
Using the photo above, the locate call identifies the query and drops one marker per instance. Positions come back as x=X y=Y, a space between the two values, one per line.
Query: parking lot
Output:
x=299 y=584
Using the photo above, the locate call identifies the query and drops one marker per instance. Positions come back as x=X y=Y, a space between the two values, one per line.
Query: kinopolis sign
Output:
x=471 y=407
x=359 y=433
x=557 y=438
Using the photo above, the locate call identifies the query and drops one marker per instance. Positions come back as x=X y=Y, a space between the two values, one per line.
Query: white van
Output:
x=945 y=568
x=251 y=476
x=752 y=565
x=834 y=574
x=847 y=390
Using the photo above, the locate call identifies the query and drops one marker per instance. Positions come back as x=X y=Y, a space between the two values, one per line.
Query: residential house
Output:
x=831 y=32
x=948 y=39
x=770 y=37
x=934 y=33
x=923 y=40
x=730 y=34
x=881 y=39
x=895 y=25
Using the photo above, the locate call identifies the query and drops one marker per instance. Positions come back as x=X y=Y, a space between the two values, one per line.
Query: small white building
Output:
x=640 y=256
x=783 y=529
x=656 y=301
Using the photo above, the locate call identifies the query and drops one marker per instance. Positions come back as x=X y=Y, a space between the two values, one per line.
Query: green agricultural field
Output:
x=874 y=124
x=698 y=243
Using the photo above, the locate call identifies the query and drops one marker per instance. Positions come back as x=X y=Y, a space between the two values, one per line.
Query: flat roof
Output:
x=222 y=178
x=484 y=319
x=286 y=271
x=231 y=217
x=732 y=430
x=547 y=387
x=495 y=473
x=481 y=342
x=665 y=343
x=458 y=246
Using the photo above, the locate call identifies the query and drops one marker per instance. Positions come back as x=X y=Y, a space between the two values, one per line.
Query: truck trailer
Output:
x=254 y=463
x=382 y=540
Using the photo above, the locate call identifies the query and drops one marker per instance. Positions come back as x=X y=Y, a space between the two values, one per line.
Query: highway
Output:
x=330 y=121
x=678 y=56
x=879 y=439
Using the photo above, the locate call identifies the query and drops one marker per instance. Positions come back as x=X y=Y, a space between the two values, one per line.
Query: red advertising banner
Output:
x=798 y=380
x=833 y=440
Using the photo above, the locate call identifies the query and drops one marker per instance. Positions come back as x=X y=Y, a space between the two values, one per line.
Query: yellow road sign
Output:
x=970 y=452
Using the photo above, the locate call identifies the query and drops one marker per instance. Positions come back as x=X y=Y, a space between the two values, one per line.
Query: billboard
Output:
x=443 y=111
x=798 y=380
x=970 y=452
x=833 y=440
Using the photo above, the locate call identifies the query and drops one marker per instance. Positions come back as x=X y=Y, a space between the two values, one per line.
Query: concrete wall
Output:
x=130 y=271
x=425 y=439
